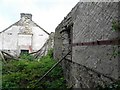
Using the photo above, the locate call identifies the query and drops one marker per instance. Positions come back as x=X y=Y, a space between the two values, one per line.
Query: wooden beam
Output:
x=2 y=57
x=9 y=55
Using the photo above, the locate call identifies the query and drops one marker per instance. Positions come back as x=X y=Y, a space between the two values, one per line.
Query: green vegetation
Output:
x=25 y=72
x=113 y=86
x=116 y=25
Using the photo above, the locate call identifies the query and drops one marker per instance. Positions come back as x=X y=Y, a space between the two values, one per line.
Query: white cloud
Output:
x=47 y=13
x=4 y=23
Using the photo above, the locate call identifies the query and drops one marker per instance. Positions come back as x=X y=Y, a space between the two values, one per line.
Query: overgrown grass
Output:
x=26 y=72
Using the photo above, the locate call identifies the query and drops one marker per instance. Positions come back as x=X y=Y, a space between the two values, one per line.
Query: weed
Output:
x=116 y=26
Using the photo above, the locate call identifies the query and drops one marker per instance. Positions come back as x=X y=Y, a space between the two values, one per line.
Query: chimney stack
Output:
x=29 y=16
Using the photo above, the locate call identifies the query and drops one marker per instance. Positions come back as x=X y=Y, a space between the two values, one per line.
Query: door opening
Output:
x=24 y=51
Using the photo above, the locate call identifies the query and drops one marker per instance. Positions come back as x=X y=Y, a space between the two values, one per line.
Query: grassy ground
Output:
x=26 y=72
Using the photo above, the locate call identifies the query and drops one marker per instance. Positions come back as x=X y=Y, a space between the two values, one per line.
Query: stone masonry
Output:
x=93 y=65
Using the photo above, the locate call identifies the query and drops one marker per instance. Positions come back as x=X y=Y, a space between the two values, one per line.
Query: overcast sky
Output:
x=46 y=13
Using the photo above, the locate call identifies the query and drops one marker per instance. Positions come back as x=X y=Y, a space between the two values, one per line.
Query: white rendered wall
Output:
x=39 y=38
x=25 y=42
x=10 y=38
x=24 y=39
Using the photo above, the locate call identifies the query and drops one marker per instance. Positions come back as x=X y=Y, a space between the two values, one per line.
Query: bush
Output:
x=26 y=56
x=26 y=72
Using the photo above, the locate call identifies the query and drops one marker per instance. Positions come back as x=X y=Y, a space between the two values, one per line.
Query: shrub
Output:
x=26 y=56
x=25 y=72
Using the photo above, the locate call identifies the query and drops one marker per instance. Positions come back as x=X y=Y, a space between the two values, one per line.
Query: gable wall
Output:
x=39 y=38
x=12 y=39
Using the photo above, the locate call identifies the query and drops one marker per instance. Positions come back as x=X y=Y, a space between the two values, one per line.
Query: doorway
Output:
x=24 y=52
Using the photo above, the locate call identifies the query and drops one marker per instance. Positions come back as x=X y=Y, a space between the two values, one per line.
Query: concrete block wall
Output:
x=90 y=65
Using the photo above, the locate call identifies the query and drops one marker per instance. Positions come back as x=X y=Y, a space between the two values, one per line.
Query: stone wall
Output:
x=88 y=66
